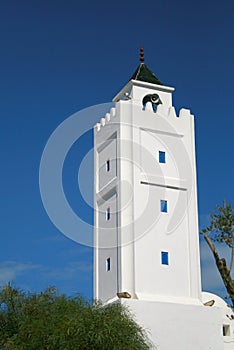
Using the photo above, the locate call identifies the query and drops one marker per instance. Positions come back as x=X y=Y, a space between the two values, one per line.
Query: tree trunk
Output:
x=223 y=269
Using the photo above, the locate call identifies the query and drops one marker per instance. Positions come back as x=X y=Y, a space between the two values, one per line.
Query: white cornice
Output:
x=143 y=84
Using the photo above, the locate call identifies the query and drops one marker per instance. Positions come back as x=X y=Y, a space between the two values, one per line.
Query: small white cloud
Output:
x=9 y=270
x=69 y=272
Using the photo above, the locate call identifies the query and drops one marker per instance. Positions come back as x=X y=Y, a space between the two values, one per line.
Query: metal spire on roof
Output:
x=143 y=73
x=142 y=56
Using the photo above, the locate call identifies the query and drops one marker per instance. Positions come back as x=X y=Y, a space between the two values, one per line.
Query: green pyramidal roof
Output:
x=143 y=73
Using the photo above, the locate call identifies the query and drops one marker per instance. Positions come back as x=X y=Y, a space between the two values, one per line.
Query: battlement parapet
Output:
x=105 y=120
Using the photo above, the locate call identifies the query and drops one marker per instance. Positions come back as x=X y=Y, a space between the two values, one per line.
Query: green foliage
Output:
x=50 y=321
x=221 y=226
x=221 y=230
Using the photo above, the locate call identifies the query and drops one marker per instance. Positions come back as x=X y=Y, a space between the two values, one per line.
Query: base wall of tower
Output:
x=179 y=326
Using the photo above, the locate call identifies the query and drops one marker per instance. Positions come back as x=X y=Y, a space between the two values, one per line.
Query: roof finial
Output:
x=142 y=57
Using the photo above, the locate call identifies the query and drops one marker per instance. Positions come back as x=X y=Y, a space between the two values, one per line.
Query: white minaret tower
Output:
x=146 y=222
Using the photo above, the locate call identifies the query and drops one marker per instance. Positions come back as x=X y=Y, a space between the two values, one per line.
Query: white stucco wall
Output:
x=227 y=318
x=179 y=326
x=130 y=139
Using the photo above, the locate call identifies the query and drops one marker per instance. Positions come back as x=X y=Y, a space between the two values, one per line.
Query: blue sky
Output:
x=59 y=57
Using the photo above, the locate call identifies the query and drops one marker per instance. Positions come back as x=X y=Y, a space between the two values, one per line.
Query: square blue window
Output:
x=162 y=157
x=163 y=206
x=164 y=258
x=108 y=264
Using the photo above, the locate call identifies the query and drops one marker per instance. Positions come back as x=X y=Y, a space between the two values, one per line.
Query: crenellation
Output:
x=172 y=112
x=184 y=113
x=102 y=121
x=107 y=117
x=97 y=127
x=112 y=112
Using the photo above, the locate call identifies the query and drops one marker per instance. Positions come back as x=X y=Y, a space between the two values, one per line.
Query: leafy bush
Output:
x=50 y=321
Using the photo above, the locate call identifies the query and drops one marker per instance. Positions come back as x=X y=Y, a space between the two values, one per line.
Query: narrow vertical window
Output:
x=164 y=258
x=161 y=157
x=108 y=264
x=108 y=165
x=163 y=206
x=226 y=330
x=108 y=214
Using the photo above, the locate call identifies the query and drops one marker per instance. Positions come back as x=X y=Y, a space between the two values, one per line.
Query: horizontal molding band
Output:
x=164 y=186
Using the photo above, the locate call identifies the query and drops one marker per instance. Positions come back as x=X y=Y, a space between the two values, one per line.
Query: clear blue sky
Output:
x=58 y=57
